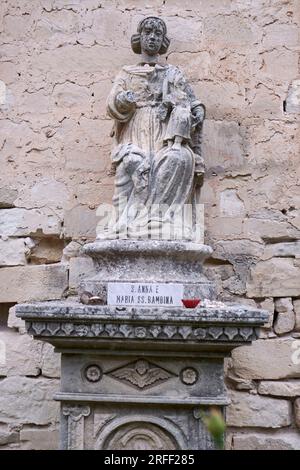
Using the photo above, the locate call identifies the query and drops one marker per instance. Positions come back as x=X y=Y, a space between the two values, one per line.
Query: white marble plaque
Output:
x=134 y=293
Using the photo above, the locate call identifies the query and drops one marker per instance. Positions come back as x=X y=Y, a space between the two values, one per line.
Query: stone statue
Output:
x=157 y=134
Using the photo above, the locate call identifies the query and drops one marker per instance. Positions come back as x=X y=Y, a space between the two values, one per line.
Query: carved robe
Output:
x=164 y=109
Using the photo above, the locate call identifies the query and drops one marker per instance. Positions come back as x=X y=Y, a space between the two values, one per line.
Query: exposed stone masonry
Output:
x=58 y=59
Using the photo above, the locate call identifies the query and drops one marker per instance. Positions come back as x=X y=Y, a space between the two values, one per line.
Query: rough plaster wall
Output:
x=58 y=60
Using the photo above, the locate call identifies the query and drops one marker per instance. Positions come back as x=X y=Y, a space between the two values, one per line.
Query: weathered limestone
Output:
x=25 y=357
x=277 y=62
x=25 y=222
x=7 y=196
x=92 y=137
x=277 y=34
x=239 y=383
x=253 y=362
x=8 y=437
x=255 y=411
x=222 y=140
x=283 y=305
x=278 y=277
x=285 y=321
x=13 y=252
x=15 y=322
x=71 y=250
x=40 y=439
x=2 y=92
x=237 y=251
x=25 y=283
x=38 y=408
x=230 y=204
x=296 y=304
x=23 y=354
x=47 y=251
x=80 y=221
x=267 y=227
x=47 y=192
x=282 y=250
x=268 y=304
x=280 y=389
x=50 y=362
x=293 y=98
x=79 y=268
x=289 y=440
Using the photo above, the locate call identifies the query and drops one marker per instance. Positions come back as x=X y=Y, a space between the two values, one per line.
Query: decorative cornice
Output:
x=140 y=332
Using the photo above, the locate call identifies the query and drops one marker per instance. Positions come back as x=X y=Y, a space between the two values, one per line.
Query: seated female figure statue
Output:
x=157 y=139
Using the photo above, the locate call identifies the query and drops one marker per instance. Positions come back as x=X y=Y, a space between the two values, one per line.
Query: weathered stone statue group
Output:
x=157 y=134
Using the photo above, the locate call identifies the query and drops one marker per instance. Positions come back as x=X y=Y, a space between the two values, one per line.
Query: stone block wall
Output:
x=58 y=60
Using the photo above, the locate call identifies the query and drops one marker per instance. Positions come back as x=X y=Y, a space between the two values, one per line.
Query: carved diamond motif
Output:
x=53 y=327
x=185 y=331
x=141 y=374
x=246 y=333
x=215 y=332
x=96 y=329
x=67 y=328
x=38 y=327
x=231 y=332
x=155 y=330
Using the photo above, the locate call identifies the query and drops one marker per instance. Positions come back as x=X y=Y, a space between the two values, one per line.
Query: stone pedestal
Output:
x=139 y=377
x=149 y=261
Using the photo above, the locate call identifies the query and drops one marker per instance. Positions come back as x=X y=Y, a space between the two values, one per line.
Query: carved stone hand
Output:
x=125 y=101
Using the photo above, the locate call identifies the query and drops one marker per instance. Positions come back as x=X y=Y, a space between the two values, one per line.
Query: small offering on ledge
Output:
x=190 y=303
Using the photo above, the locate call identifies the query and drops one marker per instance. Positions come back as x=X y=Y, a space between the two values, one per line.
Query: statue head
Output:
x=151 y=37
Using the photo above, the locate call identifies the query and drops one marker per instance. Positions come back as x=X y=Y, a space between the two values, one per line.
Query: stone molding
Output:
x=140 y=332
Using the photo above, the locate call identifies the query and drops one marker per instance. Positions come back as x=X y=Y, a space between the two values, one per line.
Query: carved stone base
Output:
x=139 y=378
x=148 y=261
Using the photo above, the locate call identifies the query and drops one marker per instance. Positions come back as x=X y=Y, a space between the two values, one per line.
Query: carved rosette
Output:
x=93 y=373
x=189 y=376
